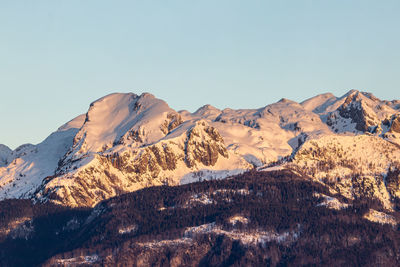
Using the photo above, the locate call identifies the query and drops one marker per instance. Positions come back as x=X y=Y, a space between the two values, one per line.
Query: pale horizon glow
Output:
x=56 y=57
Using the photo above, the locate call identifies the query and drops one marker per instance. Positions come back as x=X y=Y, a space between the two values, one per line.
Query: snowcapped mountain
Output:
x=126 y=142
x=356 y=112
x=31 y=164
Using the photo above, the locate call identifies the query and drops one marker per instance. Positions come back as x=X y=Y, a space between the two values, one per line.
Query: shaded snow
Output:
x=237 y=191
x=165 y=243
x=79 y=260
x=200 y=198
x=251 y=237
x=127 y=229
x=271 y=169
x=5 y=155
x=331 y=202
x=207 y=174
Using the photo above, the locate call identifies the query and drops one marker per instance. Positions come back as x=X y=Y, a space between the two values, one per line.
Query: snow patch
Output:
x=32 y=163
x=5 y=155
x=79 y=260
x=201 y=198
x=251 y=237
x=163 y=243
x=331 y=202
x=128 y=229
x=271 y=169
x=207 y=174
x=380 y=217
x=238 y=219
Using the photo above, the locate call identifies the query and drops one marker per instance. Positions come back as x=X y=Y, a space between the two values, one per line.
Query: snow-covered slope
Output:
x=356 y=112
x=126 y=142
x=354 y=166
x=267 y=134
x=190 y=149
x=33 y=163
x=5 y=155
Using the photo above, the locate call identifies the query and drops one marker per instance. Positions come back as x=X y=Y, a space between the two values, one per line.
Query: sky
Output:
x=56 y=57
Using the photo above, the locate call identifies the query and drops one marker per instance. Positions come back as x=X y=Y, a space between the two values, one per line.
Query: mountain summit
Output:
x=126 y=142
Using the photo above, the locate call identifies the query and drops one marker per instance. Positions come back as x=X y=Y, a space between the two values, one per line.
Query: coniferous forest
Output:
x=253 y=219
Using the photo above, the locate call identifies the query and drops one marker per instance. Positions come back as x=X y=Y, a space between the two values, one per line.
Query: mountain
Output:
x=126 y=142
x=135 y=183
x=30 y=164
x=356 y=112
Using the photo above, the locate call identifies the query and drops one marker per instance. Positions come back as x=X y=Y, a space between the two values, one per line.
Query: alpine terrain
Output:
x=135 y=182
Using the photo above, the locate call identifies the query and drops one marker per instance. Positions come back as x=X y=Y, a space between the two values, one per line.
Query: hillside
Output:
x=257 y=218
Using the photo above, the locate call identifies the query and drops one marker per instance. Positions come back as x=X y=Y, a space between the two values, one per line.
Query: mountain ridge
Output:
x=126 y=142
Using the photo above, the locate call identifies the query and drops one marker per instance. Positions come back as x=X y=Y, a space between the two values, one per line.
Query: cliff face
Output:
x=111 y=173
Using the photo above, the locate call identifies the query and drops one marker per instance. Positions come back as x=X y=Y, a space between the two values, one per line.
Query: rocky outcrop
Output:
x=110 y=174
x=356 y=112
x=395 y=124
x=203 y=145
x=353 y=109
x=355 y=167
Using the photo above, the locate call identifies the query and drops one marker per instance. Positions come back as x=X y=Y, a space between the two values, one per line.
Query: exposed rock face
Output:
x=395 y=125
x=355 y=108
x=355 y=167
x=110 y=174
x=31 y=164
x=356 y=112
x=352 y=109
x=204 y=144
x=173 y=121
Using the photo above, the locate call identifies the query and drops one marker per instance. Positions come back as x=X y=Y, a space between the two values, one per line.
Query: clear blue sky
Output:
x=58 y=56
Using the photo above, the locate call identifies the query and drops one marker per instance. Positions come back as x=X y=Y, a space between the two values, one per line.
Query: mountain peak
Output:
x=352 y=92
x=207 y=111
x=319 y=103
x=147 y=95
x=359 y=95
x=113 y=97
x=285 y=100
x=116 y=118
x=206 y=107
